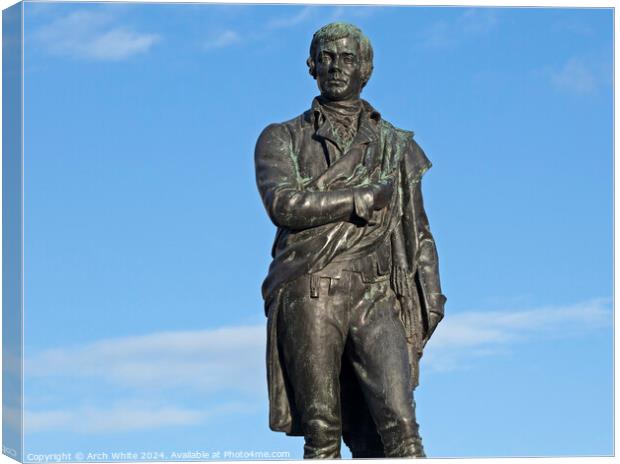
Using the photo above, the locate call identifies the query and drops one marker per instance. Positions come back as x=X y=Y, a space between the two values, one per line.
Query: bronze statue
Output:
x=352 y=294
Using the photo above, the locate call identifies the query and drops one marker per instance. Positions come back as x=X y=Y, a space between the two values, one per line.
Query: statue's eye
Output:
x=348 y=59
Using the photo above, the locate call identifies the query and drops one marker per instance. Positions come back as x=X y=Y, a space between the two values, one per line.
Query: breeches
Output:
x=345 y=356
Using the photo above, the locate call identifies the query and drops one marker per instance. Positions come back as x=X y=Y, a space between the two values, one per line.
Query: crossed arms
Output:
x=292 y=207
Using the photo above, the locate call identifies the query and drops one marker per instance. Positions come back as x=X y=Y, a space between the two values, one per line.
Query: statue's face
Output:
x=338 y=67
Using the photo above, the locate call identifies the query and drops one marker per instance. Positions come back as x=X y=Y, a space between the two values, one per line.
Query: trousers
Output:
x=345 y=354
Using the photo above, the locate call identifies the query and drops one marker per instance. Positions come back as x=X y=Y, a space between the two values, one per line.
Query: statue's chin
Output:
x=338 y=96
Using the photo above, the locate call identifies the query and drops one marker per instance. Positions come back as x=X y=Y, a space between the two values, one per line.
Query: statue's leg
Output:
x=359 y=431
x=311 y=334
x=379 y=355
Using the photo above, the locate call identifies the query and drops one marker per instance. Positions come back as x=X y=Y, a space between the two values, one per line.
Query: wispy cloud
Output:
x=469 y=334
x=294 y=20
x=574 y=76
x=93 y=35
x=298 y=17
x=230 y=361
x=477 y=21
x=471 y=23
x=233 y=357
x=222 y=40
x=171 y=369
x=204 y=360
x=123 y=417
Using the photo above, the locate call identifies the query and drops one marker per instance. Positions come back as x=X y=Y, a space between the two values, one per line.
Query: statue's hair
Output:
x=335 y=31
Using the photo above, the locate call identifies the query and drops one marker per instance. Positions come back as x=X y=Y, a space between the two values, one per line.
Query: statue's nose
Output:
x=334 y=65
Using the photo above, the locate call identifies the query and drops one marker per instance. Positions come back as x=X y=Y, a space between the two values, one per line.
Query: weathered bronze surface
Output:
x=352 y=294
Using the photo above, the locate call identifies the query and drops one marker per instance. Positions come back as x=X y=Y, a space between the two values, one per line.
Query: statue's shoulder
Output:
x=289 y=128
x=395 y=134
x=415 y=161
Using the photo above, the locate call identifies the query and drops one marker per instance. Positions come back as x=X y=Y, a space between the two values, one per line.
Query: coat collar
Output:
x=367 y=132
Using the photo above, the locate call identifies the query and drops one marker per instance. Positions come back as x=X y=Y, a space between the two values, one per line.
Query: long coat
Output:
x=296 y=167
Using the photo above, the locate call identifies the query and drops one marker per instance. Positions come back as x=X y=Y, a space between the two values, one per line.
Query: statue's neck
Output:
x=345 y=108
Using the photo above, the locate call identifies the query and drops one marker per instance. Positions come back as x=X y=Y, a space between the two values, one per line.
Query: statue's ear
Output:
x=311 y=66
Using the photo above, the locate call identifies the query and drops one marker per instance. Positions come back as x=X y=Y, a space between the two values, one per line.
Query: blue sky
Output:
x=146 y=241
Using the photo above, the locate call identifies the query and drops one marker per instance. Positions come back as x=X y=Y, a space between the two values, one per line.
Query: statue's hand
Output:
x=382 y=193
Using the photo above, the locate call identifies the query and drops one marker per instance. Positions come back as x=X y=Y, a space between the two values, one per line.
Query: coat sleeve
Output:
x=419 y=240
x=287 y=203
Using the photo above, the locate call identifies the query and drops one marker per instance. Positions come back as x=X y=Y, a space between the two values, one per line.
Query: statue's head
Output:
x=340 y=60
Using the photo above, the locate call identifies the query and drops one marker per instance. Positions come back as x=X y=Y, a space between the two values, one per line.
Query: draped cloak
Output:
x=379 y=152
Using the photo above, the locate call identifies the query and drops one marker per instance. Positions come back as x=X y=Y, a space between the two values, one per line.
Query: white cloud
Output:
x=234 y=357
x=154 y=374
x=222 y=40
x=122 y=417
x=471 y=23
x=463 y=335
x=92 y=35
x=230 y=361
x=204 y=360
x=477 y=21
x=574 y=77
x=291 y=21
x=338 y=13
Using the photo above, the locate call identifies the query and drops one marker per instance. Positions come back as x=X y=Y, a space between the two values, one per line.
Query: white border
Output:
x=515 y=3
